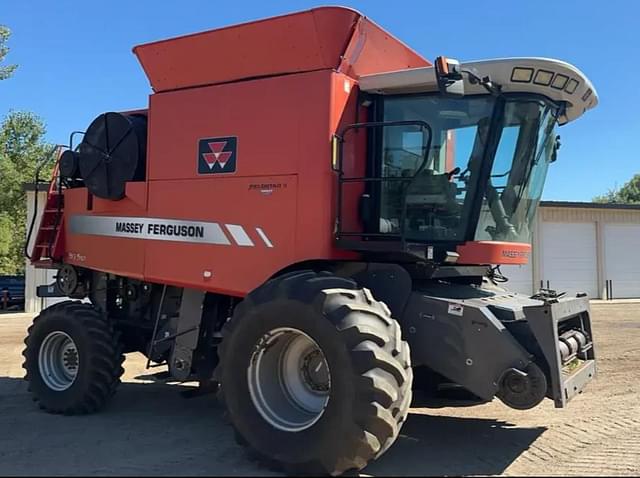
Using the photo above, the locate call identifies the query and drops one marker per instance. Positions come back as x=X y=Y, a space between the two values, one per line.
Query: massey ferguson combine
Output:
x=307 y=213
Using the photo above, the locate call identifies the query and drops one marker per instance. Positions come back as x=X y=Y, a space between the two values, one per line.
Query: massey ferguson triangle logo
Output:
x=217 y=155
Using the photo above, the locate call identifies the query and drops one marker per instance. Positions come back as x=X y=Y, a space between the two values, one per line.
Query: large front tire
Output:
x=314 y=374
x=73 y=359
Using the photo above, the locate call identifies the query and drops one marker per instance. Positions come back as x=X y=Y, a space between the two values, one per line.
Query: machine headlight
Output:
x=521 y=75
x=571 y=86
x=559 y=81
x=543 y=77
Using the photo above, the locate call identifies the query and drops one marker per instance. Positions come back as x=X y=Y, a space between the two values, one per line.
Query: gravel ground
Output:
x=150 y=429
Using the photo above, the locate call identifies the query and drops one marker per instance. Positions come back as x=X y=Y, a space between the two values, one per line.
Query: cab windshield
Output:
x=513 y=191
x=437 y=204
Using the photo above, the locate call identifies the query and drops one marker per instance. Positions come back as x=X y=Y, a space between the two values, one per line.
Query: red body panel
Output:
x=283 y=183
x=493 y=252
x=318 y=39
x=115 y=255
x=278 y=207
x=302 y=70
x=234 y=269
x=374 y=50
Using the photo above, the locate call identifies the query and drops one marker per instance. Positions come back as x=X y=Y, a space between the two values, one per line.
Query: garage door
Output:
x=520 y=278
x=569 y=257
x=621 y=259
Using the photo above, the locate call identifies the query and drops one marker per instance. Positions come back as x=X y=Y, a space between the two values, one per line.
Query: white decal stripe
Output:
x=149 y=228
x=263 y=236
x=239 y=235
x=159 y=229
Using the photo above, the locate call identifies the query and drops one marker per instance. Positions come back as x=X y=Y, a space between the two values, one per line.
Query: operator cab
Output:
x=458 y=153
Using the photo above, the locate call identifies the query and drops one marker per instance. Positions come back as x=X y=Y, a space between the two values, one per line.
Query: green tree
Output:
x=7 y=70
x=22 y=146
x=629 y=193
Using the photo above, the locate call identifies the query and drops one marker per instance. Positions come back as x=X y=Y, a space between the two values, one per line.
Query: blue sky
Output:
x=76 y=62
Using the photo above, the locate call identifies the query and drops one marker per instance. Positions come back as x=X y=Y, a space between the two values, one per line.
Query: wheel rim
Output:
x=67 y=279
x=289 y=379
x=58 y=361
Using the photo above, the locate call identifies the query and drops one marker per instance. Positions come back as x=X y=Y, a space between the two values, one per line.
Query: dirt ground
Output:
x=150 y=429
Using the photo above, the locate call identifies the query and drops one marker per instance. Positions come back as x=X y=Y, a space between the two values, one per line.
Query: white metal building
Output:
x=577 y=247
x=583 y=247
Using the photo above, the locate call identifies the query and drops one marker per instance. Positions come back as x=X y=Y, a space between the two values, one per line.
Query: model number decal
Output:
x=76 y=256
x=514 y=254
x=456 y=309
x=262 y=186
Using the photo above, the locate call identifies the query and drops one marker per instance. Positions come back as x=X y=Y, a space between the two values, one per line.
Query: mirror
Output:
x=449 y=77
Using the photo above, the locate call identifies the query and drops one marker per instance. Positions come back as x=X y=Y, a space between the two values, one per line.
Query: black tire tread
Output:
x=377 y=349
x=106 y=361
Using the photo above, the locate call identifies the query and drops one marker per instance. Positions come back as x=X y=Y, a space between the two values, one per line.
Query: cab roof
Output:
x=555 y=79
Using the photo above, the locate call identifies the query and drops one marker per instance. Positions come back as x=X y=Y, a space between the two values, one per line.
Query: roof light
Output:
x=543 y=77
x=571 y=86
x=559 y=81
x=521 y=75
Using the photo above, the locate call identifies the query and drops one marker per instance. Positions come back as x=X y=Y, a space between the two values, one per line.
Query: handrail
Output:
x=342 y=180
x=52 y=153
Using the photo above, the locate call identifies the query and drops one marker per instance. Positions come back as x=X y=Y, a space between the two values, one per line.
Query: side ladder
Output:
x=48 y=246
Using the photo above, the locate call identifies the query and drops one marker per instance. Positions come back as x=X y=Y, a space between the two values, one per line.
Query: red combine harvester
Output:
x=307 y=214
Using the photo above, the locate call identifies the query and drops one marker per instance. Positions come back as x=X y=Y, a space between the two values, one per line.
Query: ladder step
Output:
x=43 y=263
x=49 y=233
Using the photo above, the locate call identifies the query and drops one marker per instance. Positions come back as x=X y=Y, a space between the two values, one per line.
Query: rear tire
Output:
x=354 y=412
x=73 y=359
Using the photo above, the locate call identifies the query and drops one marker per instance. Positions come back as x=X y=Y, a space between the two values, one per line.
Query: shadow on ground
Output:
x=436 y=445
x=150 y=429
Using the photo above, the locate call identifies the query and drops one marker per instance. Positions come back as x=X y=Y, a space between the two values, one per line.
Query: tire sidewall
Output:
x=331 y=429
x=74 y=329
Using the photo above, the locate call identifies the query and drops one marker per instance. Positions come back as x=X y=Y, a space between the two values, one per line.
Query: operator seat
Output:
x=432 y=208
